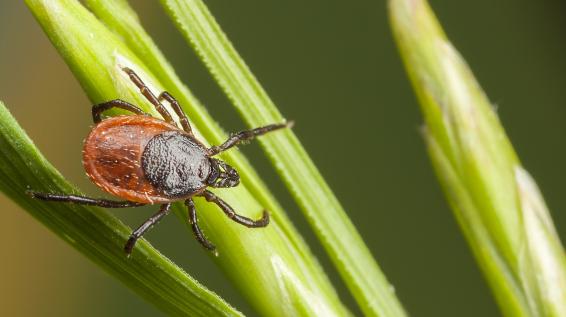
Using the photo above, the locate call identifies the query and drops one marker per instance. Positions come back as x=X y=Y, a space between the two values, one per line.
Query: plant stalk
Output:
x=496 y=202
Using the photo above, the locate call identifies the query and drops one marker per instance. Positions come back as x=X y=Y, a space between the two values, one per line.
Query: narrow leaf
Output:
x=336 y=232
x=251 y=258
x=496 y=202
x=96 y=233
x=121 y=18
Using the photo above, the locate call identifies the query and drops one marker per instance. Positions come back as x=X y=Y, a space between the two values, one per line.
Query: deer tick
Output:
x=146 y=161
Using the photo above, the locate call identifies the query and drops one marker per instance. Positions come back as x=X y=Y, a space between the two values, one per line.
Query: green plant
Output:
x=288 y=278
x=96 y=233
x=495 y=201
x=326 y=216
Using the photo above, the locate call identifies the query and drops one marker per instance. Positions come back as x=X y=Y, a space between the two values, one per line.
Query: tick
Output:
x=147 y=161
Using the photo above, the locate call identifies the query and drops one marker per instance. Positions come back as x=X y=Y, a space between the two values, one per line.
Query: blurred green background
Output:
x=332 y=67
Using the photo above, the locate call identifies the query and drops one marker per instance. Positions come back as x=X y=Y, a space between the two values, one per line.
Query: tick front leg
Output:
x=82 y=200
x=246 y=136
x=149 y=95
x=264 y=221
x=148 y=224
x=193 y=220
x=97 y=110
x=175 y=105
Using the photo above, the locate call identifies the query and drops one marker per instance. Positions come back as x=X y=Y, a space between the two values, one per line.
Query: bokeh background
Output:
x=331 y=66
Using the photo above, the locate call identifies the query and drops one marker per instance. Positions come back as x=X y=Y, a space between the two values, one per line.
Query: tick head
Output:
x=222 y=175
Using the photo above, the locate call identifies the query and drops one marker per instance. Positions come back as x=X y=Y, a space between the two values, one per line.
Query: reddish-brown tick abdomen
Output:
x=112 y=156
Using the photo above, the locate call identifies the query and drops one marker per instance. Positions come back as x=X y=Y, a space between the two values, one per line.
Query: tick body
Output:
x=146 y=160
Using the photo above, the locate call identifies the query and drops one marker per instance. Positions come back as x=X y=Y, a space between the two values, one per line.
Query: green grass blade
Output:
x=323 y=211
x=96 y=233
x=496 y=202
x=274 y=274
x=121 y=18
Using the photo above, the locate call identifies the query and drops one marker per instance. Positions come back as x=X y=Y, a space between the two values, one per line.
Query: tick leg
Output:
x=97 y=110
x=175 y=105
x=149 y=95
x=193 y=220
x=211 y=197
x=245 y=136
x=148 y=224
x=81 y=200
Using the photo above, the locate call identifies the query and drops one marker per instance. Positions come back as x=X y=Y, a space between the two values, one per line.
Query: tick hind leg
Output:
x=82 y=200
x=193 y=220
x=148 y=224
x=97 y=110
x=211 y=197
x=246 y=135
x=149 y=95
